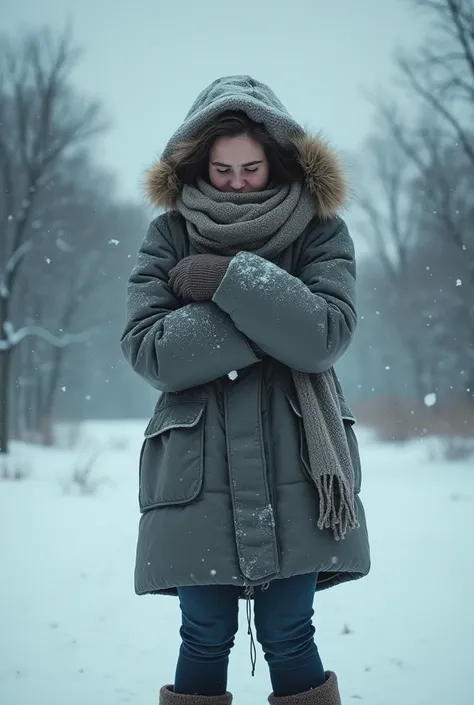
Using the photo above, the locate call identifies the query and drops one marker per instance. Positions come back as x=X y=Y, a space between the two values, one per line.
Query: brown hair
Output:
x=191 y=157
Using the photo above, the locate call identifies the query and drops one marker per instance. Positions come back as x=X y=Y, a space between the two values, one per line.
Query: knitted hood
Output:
x=324 y=175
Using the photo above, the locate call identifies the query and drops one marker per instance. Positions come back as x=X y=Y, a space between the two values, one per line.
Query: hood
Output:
x=324 y=174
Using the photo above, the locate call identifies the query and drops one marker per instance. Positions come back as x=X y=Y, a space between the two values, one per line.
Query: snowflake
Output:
x=430 y=399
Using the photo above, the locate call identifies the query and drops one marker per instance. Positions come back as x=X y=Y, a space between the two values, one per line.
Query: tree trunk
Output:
x=47 y=415
x=5 y=360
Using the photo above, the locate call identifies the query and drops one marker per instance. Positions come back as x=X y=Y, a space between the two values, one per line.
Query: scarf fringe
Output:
x=337 y=510
x=329 y=455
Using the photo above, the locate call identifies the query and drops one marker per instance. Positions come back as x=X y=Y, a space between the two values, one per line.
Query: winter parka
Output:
x=225 y=490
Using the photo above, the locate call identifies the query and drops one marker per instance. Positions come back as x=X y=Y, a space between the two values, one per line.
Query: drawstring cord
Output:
x=253 y=647
x=249 y=592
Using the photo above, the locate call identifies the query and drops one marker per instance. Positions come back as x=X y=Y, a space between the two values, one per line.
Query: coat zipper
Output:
x=267 y=443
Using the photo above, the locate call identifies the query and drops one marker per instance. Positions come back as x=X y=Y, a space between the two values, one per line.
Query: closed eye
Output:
x=249 y=170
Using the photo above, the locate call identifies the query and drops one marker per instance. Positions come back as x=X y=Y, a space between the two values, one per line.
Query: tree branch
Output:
x=457 y=19
x=11 y=267
x=14 y=337
x=431 y=98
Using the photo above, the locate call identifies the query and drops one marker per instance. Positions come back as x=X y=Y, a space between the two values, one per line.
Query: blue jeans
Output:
x=283 y=623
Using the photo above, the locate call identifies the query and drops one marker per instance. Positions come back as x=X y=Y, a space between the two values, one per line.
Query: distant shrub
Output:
x=397 y=420
x=82 y=480
x=13 y=469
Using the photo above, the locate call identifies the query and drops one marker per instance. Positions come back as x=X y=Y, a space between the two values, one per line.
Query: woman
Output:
x=241 y=301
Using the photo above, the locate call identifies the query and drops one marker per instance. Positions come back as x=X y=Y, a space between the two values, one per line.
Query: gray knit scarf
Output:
x=266 y=223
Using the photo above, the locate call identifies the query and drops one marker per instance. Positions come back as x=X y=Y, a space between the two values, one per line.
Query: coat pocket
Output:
x=303 y=446
x=348 y=420
x=172 y=456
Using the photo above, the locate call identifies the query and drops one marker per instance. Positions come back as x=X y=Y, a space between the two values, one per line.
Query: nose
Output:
x=237 y=182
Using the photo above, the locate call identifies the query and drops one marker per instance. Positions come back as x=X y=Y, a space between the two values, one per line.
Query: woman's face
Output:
x=238 y=164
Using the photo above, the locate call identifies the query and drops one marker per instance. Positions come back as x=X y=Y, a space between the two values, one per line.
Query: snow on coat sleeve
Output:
x=305 y=321
x=175 y=347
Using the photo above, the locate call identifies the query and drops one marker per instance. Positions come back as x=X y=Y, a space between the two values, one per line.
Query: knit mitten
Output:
x=197 y=277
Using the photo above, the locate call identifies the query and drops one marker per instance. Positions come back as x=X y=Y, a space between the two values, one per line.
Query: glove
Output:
x=197 y=277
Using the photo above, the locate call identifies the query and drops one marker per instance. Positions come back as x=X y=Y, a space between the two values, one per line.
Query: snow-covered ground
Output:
x=72 y=631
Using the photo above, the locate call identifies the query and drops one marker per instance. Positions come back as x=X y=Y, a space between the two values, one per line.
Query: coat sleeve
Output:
x=176 y=347
x=305 y=321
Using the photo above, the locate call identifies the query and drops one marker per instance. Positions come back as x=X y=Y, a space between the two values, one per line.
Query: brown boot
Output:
x=169 y=697
x=326 y=694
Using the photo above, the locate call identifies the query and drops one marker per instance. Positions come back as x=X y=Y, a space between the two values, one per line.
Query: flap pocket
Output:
x=303 y=446
x=184 y=414
x=172 y=455
x=346 y=413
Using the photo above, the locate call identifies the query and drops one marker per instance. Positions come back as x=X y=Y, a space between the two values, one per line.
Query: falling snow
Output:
x=430 y=399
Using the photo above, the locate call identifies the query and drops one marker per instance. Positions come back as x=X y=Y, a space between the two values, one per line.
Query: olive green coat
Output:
x=224 y=487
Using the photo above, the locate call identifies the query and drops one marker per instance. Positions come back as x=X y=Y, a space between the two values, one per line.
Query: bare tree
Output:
x=64 y=275
x=441 y=73
x=390 y=203
x=42 y=121
x=438 y=143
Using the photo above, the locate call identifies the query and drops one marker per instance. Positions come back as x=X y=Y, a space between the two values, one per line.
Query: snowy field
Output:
x=72 y=631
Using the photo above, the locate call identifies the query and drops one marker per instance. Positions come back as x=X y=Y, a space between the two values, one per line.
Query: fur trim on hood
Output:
x=323 y=171
x=324 y=177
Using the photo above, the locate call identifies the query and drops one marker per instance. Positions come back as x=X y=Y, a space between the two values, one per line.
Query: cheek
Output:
x=217 y=179
x=260 y=179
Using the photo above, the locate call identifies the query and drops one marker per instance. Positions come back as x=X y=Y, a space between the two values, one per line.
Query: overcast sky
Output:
x=147 y=60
